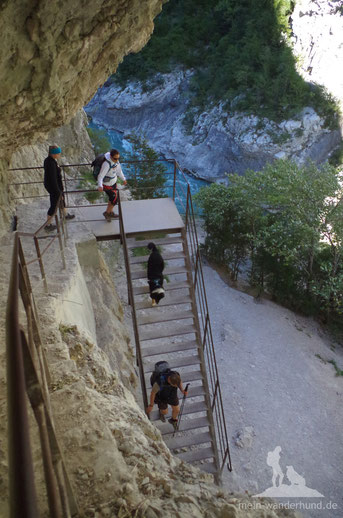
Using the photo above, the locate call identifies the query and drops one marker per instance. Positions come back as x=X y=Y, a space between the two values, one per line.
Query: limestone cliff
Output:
x=222 y=142
x=54 y=56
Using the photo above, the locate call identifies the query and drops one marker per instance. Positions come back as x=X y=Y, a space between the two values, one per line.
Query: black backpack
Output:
x=161 y=373
x=97 y=163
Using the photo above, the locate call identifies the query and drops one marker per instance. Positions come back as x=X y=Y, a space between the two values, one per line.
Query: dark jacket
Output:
x=52 y=176
x=155 y=265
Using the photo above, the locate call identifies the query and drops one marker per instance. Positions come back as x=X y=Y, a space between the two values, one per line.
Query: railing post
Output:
x=174 y=182
x=139 y=358
x=65 y=185
x=22 y=499
x=60 y=242
x=40 y=263
x=187 y=207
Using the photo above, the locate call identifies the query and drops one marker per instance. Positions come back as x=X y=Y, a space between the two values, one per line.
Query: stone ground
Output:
x=279 y=389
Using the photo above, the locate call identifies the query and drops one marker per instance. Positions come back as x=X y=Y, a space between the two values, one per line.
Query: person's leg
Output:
x=112 y=194
x=175 y=411
x=53 y=203
x=163 y=408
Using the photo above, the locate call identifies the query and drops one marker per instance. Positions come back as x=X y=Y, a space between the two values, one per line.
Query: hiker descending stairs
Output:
x=170 y=332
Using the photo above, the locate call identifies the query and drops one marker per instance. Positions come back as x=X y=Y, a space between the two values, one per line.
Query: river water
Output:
x=124 y=146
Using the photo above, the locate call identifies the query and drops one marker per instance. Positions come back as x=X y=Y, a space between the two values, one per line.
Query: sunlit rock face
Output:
x=55 y=54
x=317 y=37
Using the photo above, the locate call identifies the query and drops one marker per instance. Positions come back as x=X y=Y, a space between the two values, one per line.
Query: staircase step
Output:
x=159 y=316
x=186 y=424
x=166 y=256
x=209 y=467
x=188 y=440
x=141 y=274
x=167 y=301
x=189 y=408
x=140 y=290
x=133 y=243
x=163 y=333
x=170 y=348
x=175 y=363
x=196 y=455
x=187 y=377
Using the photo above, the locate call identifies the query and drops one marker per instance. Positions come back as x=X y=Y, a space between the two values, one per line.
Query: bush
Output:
x=286 y=224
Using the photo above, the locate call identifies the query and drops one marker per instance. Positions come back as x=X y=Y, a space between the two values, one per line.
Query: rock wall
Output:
x=219 y=142
x=54 y=55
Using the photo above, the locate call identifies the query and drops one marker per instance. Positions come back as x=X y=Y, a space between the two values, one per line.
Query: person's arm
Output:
x=121 y=174
x=182 y=389
x=52 y=173
x=153 y=393
x=103 y=171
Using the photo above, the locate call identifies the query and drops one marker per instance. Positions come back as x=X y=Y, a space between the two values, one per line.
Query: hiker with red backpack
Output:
x=165 y=383
x=107 y=181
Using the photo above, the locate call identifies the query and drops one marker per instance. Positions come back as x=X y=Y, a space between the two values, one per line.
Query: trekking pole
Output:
x=181 y=410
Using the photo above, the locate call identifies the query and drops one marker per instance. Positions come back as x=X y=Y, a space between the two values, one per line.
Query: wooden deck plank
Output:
x=189 y=408
x=164 y=333
x=188 y=440
x=160 y=316
x=196 y=455
x=175 y=363
x=186 y=424
x=140 y=290
x=171 y=270
x=169 y=256
x=170 y=348
x=188 y=377
x=139 y=243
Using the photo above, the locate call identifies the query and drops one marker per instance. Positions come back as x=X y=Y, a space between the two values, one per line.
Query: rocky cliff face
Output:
x=220 y=142
x=54 y=55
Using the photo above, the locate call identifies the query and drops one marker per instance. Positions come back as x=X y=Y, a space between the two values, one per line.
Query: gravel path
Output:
x=278 y=390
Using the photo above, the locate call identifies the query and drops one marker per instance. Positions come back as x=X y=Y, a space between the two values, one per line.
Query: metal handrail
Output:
x=139 y=358
x=206 y=332
x=26 y=377
x=60 y=229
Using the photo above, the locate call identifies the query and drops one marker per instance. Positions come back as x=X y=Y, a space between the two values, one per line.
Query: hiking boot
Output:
x=162 y=417
x=69 y=216
x=153 y=302
x=107 y=216
x=173 y=422
x=50 y=228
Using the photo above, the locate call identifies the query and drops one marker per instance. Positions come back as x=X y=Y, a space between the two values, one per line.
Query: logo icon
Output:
x=296 y=488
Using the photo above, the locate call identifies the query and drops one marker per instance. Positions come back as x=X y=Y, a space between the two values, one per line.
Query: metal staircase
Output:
x=170 y=332
x=174 y=331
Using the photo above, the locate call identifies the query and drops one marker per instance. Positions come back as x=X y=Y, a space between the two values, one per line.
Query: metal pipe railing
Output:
x=27 y=380
x=139 y=357
x=207 y=337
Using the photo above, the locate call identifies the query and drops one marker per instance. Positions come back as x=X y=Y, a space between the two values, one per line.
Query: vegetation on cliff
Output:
x=239 y=52
x=284 y=227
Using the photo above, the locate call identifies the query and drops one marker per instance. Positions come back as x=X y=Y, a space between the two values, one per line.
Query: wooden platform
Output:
x=154 y=215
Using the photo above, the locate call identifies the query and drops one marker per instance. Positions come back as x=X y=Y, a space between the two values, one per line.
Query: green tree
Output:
x=240 y=53
x=147 y=178
x=287 y=223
